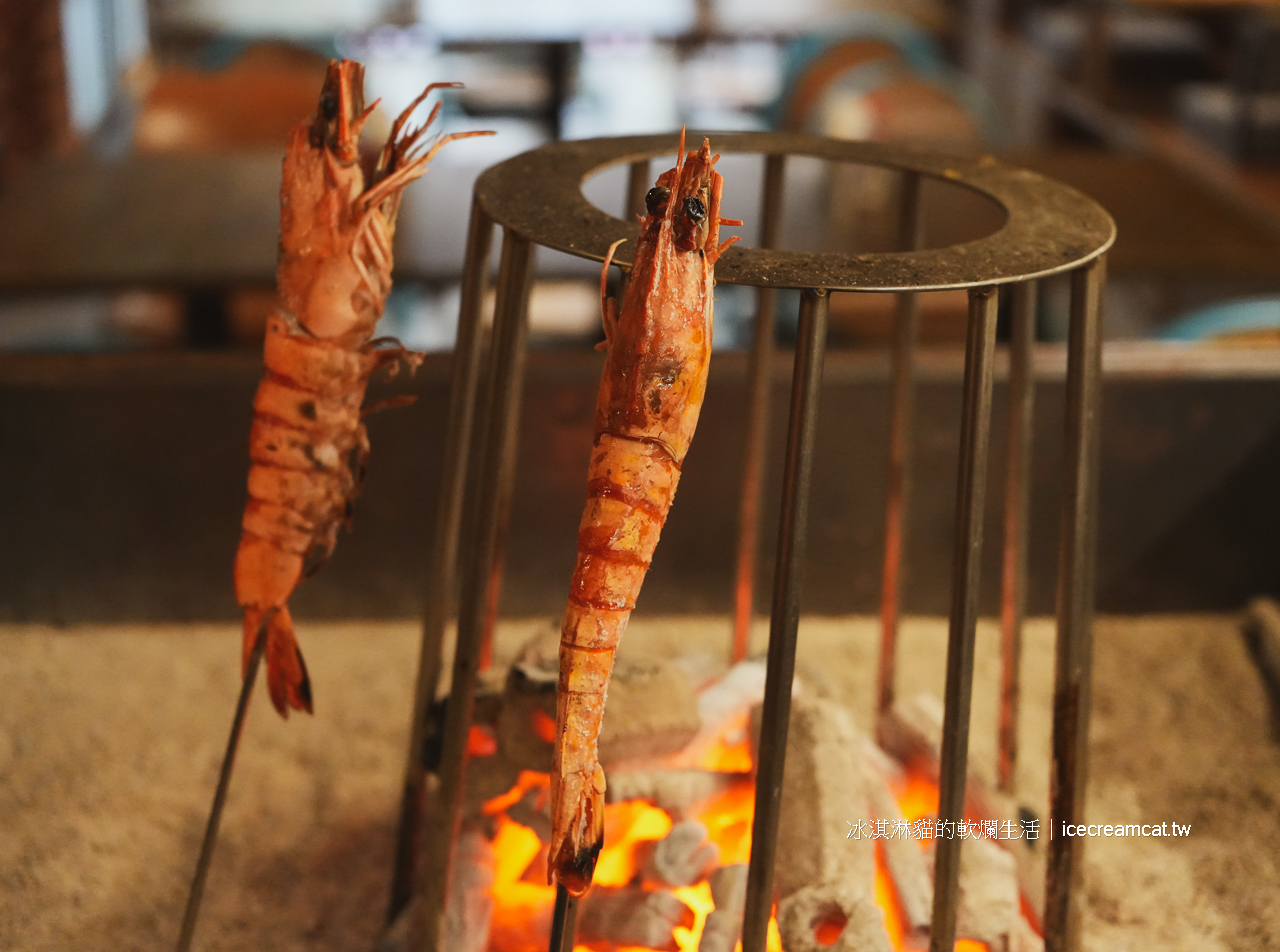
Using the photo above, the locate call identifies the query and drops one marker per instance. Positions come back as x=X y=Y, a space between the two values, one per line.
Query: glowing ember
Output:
x=731 y=752
x=480 y=741
x=886 y=895
x=697 y=898
x=916 y=793
x=528 y=780
x=544 y=726
x=727 y=818
x=626 y=826
x=523 y=902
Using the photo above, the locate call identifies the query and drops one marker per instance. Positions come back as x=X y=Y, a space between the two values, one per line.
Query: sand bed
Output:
x=110 y=739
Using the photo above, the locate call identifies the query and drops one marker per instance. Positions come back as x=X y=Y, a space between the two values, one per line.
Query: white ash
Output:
x=632 y=916
x=674 y=791
x=903 y=857
x=723 y=926
x=684 y=857
x=823 y=788
x=800 y=915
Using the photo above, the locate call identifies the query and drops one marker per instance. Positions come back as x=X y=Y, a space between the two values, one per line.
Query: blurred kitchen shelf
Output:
x=1169 y=222
x=173 y=220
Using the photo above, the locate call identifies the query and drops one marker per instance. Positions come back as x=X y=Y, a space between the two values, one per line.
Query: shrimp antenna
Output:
x=192 y=915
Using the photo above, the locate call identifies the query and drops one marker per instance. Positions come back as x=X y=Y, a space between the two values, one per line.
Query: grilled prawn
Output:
x=308 y=447
x=655 y=377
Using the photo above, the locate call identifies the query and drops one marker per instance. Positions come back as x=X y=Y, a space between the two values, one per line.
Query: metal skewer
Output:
x=564 y=920
x=192 y=913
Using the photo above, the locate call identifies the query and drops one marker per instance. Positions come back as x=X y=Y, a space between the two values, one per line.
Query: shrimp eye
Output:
x=694 y=208
x=656 y=199
x=328 y=105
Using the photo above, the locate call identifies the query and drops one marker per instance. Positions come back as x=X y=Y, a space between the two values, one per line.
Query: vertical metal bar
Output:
x=493 y=586
x=901 y=425
x=1076 y=568
x=1017 y=500
x=440 y=581
x=759 y=376
x=192 y=914
x=508 y=380
x=971 y=483
x=806 y=387
x=637 y=188
x=1095 y=54
x=564 y=918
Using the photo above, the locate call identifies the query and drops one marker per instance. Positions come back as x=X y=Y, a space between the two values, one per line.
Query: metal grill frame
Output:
x=1049 y=229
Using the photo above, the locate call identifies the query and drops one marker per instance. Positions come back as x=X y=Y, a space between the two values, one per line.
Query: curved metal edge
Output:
x=1050 y=228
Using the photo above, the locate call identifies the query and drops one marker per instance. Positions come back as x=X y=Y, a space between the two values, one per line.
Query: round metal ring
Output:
x=1049 y=227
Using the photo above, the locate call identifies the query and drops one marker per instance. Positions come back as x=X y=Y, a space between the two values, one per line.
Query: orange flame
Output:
x=523 y=903
x=544 y=725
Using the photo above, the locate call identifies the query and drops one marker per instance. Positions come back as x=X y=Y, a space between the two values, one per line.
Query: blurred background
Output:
x=140 y=146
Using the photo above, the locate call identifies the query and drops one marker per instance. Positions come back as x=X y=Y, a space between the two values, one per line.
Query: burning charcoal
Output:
x=470 y=907
x=682 y=857
x=486 y=778
x=671 y=790
x=912 y=732
x=536 y=871
x=721 y=704
x=526 y=725
x=1024 y=938
x=988 y=908
x=809 y=919
x=912 y=729
x=469 y=911
x=521 y=926
x=652 y=711
x=902 y=855
x=534 y=811
x=724 y=923
x=823 y=791
x=632 y=916
x=729 y=887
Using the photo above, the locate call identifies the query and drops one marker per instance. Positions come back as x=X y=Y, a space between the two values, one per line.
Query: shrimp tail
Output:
x=572 y=862
x=287 y=680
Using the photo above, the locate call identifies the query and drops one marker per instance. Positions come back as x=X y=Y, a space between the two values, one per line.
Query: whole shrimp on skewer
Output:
x=308 y=447
x=654 y=381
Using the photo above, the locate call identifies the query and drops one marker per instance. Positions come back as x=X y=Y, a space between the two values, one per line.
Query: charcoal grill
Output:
x=1050 y=229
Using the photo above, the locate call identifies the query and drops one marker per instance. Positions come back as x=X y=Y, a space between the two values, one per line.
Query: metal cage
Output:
x=1049 y=229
